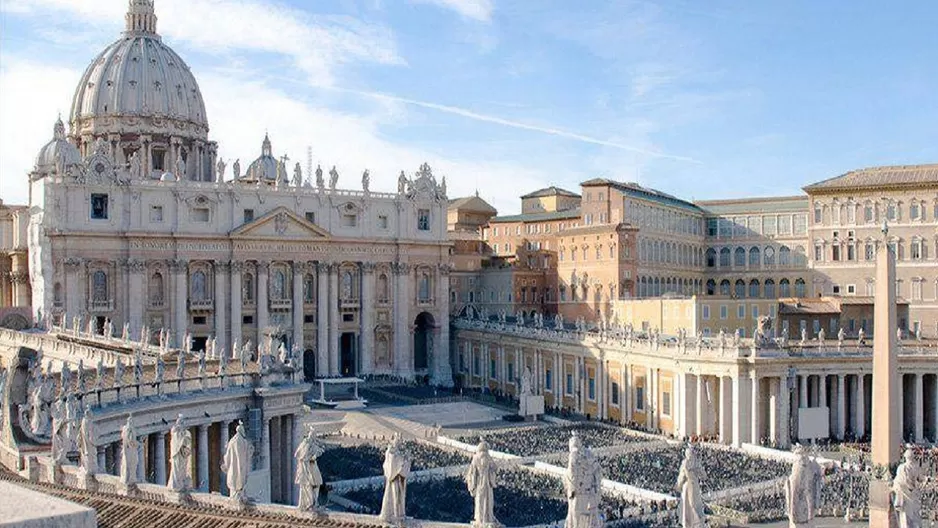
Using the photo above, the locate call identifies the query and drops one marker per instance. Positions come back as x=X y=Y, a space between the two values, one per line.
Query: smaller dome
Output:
x=59 y=147
x=265 y=168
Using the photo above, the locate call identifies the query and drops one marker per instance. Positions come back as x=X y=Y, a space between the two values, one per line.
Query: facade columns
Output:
x=322 y=318
x=73 y=291
x=298 y=268
x=689 y=413
x=276 y=459
x=221 y=280
x=726 y=409
x=141 y=459
x=919 y=420
x=743 y=402
x=334 y=320
x=263 y=317
x=755 y=432
x=784 y=414
x=701 y=412
x=441 y=364
x=803 y=391
x=236 y=267
x=160 y=458
x=367 y=321
x=179 y=270
x=841 y=427
x=265 y=445
x=137 y=294
x=860 y=408
x=822 y=390
x=222 y=446
x=286 y=454
x=202 y=462
x=401 y=328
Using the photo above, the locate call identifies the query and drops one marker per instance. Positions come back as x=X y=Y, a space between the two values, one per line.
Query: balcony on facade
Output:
x=101 y=306
x=201 y=305
x=349 y=303
x=280 y=304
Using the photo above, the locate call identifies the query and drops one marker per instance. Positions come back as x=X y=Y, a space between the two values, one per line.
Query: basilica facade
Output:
x=134 y=220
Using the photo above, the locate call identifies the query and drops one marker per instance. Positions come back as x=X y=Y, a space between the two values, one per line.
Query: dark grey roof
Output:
x=550 y=191
x=638 y=191
x=897 y=175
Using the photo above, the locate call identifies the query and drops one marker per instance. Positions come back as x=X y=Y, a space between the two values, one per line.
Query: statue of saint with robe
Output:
x=237 y=464
x=396 y=473
x=308 y=478
x=60 y=441
x=86 y=444
x=907 y=491
x=180 y=448
x=129 y=460
x=582 y=482
x=480 y=478
x=692 y=511
x=802 y=490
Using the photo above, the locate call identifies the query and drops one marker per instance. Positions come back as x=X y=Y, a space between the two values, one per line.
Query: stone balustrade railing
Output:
x=62 y=350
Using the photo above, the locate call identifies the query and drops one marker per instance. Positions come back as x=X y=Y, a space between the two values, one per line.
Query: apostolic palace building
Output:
x=740 y=320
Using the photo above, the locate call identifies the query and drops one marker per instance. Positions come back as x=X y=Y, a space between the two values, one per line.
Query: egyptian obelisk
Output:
x=887 y=404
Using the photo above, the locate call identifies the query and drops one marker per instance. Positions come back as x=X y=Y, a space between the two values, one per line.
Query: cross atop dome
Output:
x=141 y=17
x=58 y=131
x=265 y=146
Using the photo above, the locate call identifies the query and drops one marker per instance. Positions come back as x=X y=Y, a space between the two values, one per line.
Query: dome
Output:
x=265 y=168
x=59 y=147
x=138 y=76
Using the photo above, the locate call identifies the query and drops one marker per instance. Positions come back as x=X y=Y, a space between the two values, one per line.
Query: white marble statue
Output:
x=396 y=472
x=125 y=333
x=180 y=167
x=907 y=491
x=861 y=337
x=308 y=478
x=60 y=441
x=481 y=479
x=282 y=353
x=72 y=419
x=333 y=178
x=129 y=460
x=366 y=181
x=236 y=168
x=841 y=335
x=802 y=490
x=804 y=336
x=821 y=336
x=87 y=449
x=39 y=406
x=108 y=328
x=237 y=464
x=220 y=170
x=99 y=373
x=180 y=447
x=401 y=183
x=180 y=365
x=320 y=182
x=691 y=511
x=525 y=389
x=581 y=482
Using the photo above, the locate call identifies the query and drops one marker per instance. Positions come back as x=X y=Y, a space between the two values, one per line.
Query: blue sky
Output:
x=704 y=100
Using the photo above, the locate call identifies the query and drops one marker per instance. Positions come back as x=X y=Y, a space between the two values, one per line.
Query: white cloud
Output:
x=480 y=10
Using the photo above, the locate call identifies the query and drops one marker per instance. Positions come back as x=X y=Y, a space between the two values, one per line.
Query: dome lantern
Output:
x=141 y=17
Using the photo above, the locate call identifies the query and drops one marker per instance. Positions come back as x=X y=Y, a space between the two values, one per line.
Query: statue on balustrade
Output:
x=39 y=400
x=210 y=347
x=907 y=491
x=90 y=327
x=99 y=373
x=125 y=333
x=841 y=335
x=119 y=373
x=87 y=449
x=76 y=324
x=333 y=178
x=802 y=490
x=222 y=363
x=73 y=418
x=692 y=511
x=861 y=337
x=80 y=375
x=245 y=355
x=282 y=353
x=308 y=478
x=160 y=373
x=138 y=367
x=480 y=478
x=202 y=363
x=320 y=183
x=396 y=472
x=108 y=328
x=65 y=377
x=582 y=481
x=237 y=464
x=60 y=440
x=821 y=335
x=129 y=447
x=180 y=449
x=180 y=365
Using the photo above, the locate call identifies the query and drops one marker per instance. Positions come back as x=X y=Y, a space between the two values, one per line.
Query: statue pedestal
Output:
x=530 y=405
x=87 y=481
x=882 y=512
x=178 y=497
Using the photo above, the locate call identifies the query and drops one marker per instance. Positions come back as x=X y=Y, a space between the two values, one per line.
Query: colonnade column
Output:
x=141 y=460
x=919 y=421
x=179 y=269
x=601 y=388
x=221 y=280
x=689 y=408
x=265 y=445
x=743 y=403
x=160 y=458
x=102 y=459
x=286 y=452
x=138 y=297
x=784 y=414
x=222 y=445
x=822 y=390
x=726 y=409
x=935 y=410
x=841 y=407
x=334 y=319
x=755 y=431
x=773 y=417
x=322 y=318
x=367 y=321
x=401 y=331
x=803 y=391
x=202 y=463
x=263 y=269
x=236 y=266
x=859 y=408
x=298 y=268
x=700 y=412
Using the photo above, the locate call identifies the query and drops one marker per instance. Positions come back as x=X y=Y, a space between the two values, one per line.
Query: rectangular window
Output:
x=800 y=224
x=200 y=214
x=248 y=215
x=755 y=312
x=511 y=372
x=156 y=213
x=349 y=220
x=591 y=389
x=741 y=311
x=548 y=380
x=666 y=403
x=383 y=222
x=851 y=252
x=639 y=398
x=198 y=320
x=99 y=206
x=818 y=253
x=724 y=312
x=423 y=219
x=493 y=373
x=247 y=319
x=835 y=253
x=711 y=227
x=476 y=367
x=569 y=385
x=309 y=319
x=769 y=225
x=705 y=312
x=615 y=393
x=851 y=289
x=311 y=217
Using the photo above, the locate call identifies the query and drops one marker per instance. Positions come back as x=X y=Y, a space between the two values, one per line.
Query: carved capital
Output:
x=72 y=263
x=136 y=265
x=445 y=268
x=236 y=266
x=19 y=277
x=401 y=268
x=178 y=265
x=263 y=266
x=222 y=266
x=368 y=267
x=298 y=267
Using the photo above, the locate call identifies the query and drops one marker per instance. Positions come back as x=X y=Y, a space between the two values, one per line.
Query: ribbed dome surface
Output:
x=59 y=146
x=139 y=76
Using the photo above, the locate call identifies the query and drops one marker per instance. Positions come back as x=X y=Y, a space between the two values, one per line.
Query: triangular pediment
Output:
x=281 y=223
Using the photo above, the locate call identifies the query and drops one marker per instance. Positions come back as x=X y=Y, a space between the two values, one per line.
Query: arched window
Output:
x=740 y=289
x=869 y=214
x=725 y=287
x=769 y=256
x=784 y=288
x=57 y=293
x=278 y=285
x=784 y=256
x=198 y=292
x=99 y=290
x=424 y=287
x=739 y=258
x=382 y=349
x=800 y=258
x=754 y=289
x=711 y=287
x=725 y=258
x=383 y=289
x=711 y=258
x=309 y=289
x=346 y=285
x=247 y=290
x=769 y=289
x=156 y=289
x=799 y=288
x=755 y=257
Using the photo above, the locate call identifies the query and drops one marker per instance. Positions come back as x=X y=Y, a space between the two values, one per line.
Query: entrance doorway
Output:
x=198 y=343
x=423 y=340
x=309 y=364
x=348 y=350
